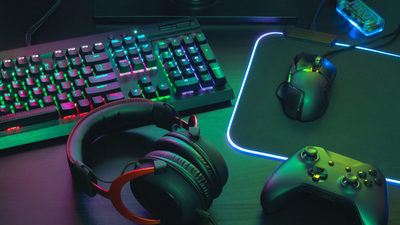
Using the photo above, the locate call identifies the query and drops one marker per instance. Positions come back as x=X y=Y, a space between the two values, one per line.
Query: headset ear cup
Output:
x=200 y=153
x=175 y=193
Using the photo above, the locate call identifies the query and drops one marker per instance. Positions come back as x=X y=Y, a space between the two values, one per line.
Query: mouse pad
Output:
x=362 y=119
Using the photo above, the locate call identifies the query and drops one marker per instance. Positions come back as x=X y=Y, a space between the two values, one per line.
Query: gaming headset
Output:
x=181 y=175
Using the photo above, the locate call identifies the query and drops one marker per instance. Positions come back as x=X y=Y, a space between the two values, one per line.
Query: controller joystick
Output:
x=331 y=176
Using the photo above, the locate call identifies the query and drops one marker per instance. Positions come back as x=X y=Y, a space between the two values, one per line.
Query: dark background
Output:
x=35 y=182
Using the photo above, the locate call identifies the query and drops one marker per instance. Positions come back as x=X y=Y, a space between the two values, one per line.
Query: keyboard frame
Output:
x=62 y=127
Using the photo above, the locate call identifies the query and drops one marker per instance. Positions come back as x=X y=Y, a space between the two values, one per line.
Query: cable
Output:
x=206 y=215
x=38 y=24
x=313 y=25
x=396 y=34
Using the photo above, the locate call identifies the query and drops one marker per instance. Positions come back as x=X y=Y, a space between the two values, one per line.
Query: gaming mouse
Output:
x=304 y=95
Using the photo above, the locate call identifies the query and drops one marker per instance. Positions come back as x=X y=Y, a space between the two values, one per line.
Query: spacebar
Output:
x=29 y=117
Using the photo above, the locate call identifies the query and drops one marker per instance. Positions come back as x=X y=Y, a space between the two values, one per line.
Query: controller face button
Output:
x=350 y=179
x=348 y=169
x=362 y=174
x=331 y=163
x=368 y=183
x=310 y=153
x=372 y=172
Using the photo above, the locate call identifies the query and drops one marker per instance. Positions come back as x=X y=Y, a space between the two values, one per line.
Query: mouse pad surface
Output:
x=362 y=119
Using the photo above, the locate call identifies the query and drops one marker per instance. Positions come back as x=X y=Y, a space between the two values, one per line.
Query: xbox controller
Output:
x=330 y=176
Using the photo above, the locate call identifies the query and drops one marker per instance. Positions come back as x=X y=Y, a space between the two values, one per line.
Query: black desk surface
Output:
x=35 y=183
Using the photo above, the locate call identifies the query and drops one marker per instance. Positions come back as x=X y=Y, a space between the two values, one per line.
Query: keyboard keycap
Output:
x=19 y=107
x=33 y=104
x=98 y=58
x=77 y=95
x=135 y=93
x=102 y=89
x=7 y=64
x=67 y=109
x=48 y=100
x=98 y=47
x=76 y=62
x=114 y=96
x=185 y=85
x=22 y=62
x=72 y=52
x=150 y=60
x=103 y=68
x=200 y=38
x=62 y=65
x=102 y=79
x=62 y=97
x=58 y=55
x=124 y=66
x=144 y=81
x=137 y=63
x=80 y=84
x=133 y=52
x=35 y=70
x=37 y=92
x=218 y=75
x=207 y=53
x=30 y=117
x=149 y=92
x=85 y=50
x=206 y=80
x=21 y=74
x=4 y=110
x=36 y=60
x=86 y=71
x=163 y=90
x=84 y=106
x=97 y=101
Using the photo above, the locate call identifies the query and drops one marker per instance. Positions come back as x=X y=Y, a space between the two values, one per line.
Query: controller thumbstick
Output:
x=309 y=153
x=350 y=179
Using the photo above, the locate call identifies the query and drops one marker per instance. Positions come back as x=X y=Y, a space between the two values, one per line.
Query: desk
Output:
x=35 y=182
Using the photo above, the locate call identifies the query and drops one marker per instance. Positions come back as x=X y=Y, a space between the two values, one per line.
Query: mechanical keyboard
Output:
x=45 y=88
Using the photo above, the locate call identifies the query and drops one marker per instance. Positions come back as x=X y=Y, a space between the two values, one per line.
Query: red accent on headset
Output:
x=114 y=194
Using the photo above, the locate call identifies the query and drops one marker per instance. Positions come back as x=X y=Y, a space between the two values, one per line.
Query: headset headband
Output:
x=116 y=116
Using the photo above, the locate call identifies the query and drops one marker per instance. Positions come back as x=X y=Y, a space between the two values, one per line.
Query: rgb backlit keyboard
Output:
x=44 y=89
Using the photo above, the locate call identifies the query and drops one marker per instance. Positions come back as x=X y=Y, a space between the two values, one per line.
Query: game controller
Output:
x=330 y=176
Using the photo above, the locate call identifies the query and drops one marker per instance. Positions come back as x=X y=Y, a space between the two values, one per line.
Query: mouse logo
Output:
x=304 y=95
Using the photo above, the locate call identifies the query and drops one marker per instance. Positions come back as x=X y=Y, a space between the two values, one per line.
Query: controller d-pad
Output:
x=317 y=173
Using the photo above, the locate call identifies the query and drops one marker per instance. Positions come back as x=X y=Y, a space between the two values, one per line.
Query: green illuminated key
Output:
x=207 y=53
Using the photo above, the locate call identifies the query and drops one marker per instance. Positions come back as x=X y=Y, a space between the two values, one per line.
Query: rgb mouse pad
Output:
x=362 y=120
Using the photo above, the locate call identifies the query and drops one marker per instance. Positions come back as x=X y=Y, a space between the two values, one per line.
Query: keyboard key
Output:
x=179 y=54
x=67 y=109
x=66 y=86
x=80 y=83
x=21 y=74
x=149 y=92
x=185 y=85
x=30 y=117
x=97 y=101
x=114 y=96
x=22 y=62
x=135 y=93
x=76 y=62
x=102 y=79
x=58 y=55
x=77 y=95
x=98 y=47
x=218 y=75
x=85 y=50
x=102 y=89
x=16 y=85
x=192 y=51
x=62 y=65
x=6 y=75
x=86 y=71
x=23 y=95
x=183 y=63
x=124 y=66
x=163 y=90
x=119 y=54
x=103 y=68
x=206 y=80
x=170 y=66
x=36 y=60
x=33 y=104
x=35 y=70
x=48 y=66
x=128 y=41
x=150 y=60
x=59 y=77
x=141 y=38
x=175 y=75
x=30 y=82
x=137 y=63
x=187 y=41
x=73 y=74
x=200 y=38
x=37 y=92
x=72 y=53
x=207 y=53
x=146 y=49
x=115 y=44
x=188 y=72
x=197 y=60
x=175 y=43
x=3 y=88
x=84 y=105
x=19 y=107
x=201 y=69
x=162 y=46
x=98 y=58
x=166 y=57
x=51 y=89
x=4 y=110
x=144 y=81
x=133 y=52
x=62 y=97
x=48 y=100
x=44 y=79
x=8 y=98
x=7 y=64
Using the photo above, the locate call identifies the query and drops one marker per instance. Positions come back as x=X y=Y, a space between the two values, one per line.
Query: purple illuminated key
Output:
x=67 y=109
x=114 y=96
